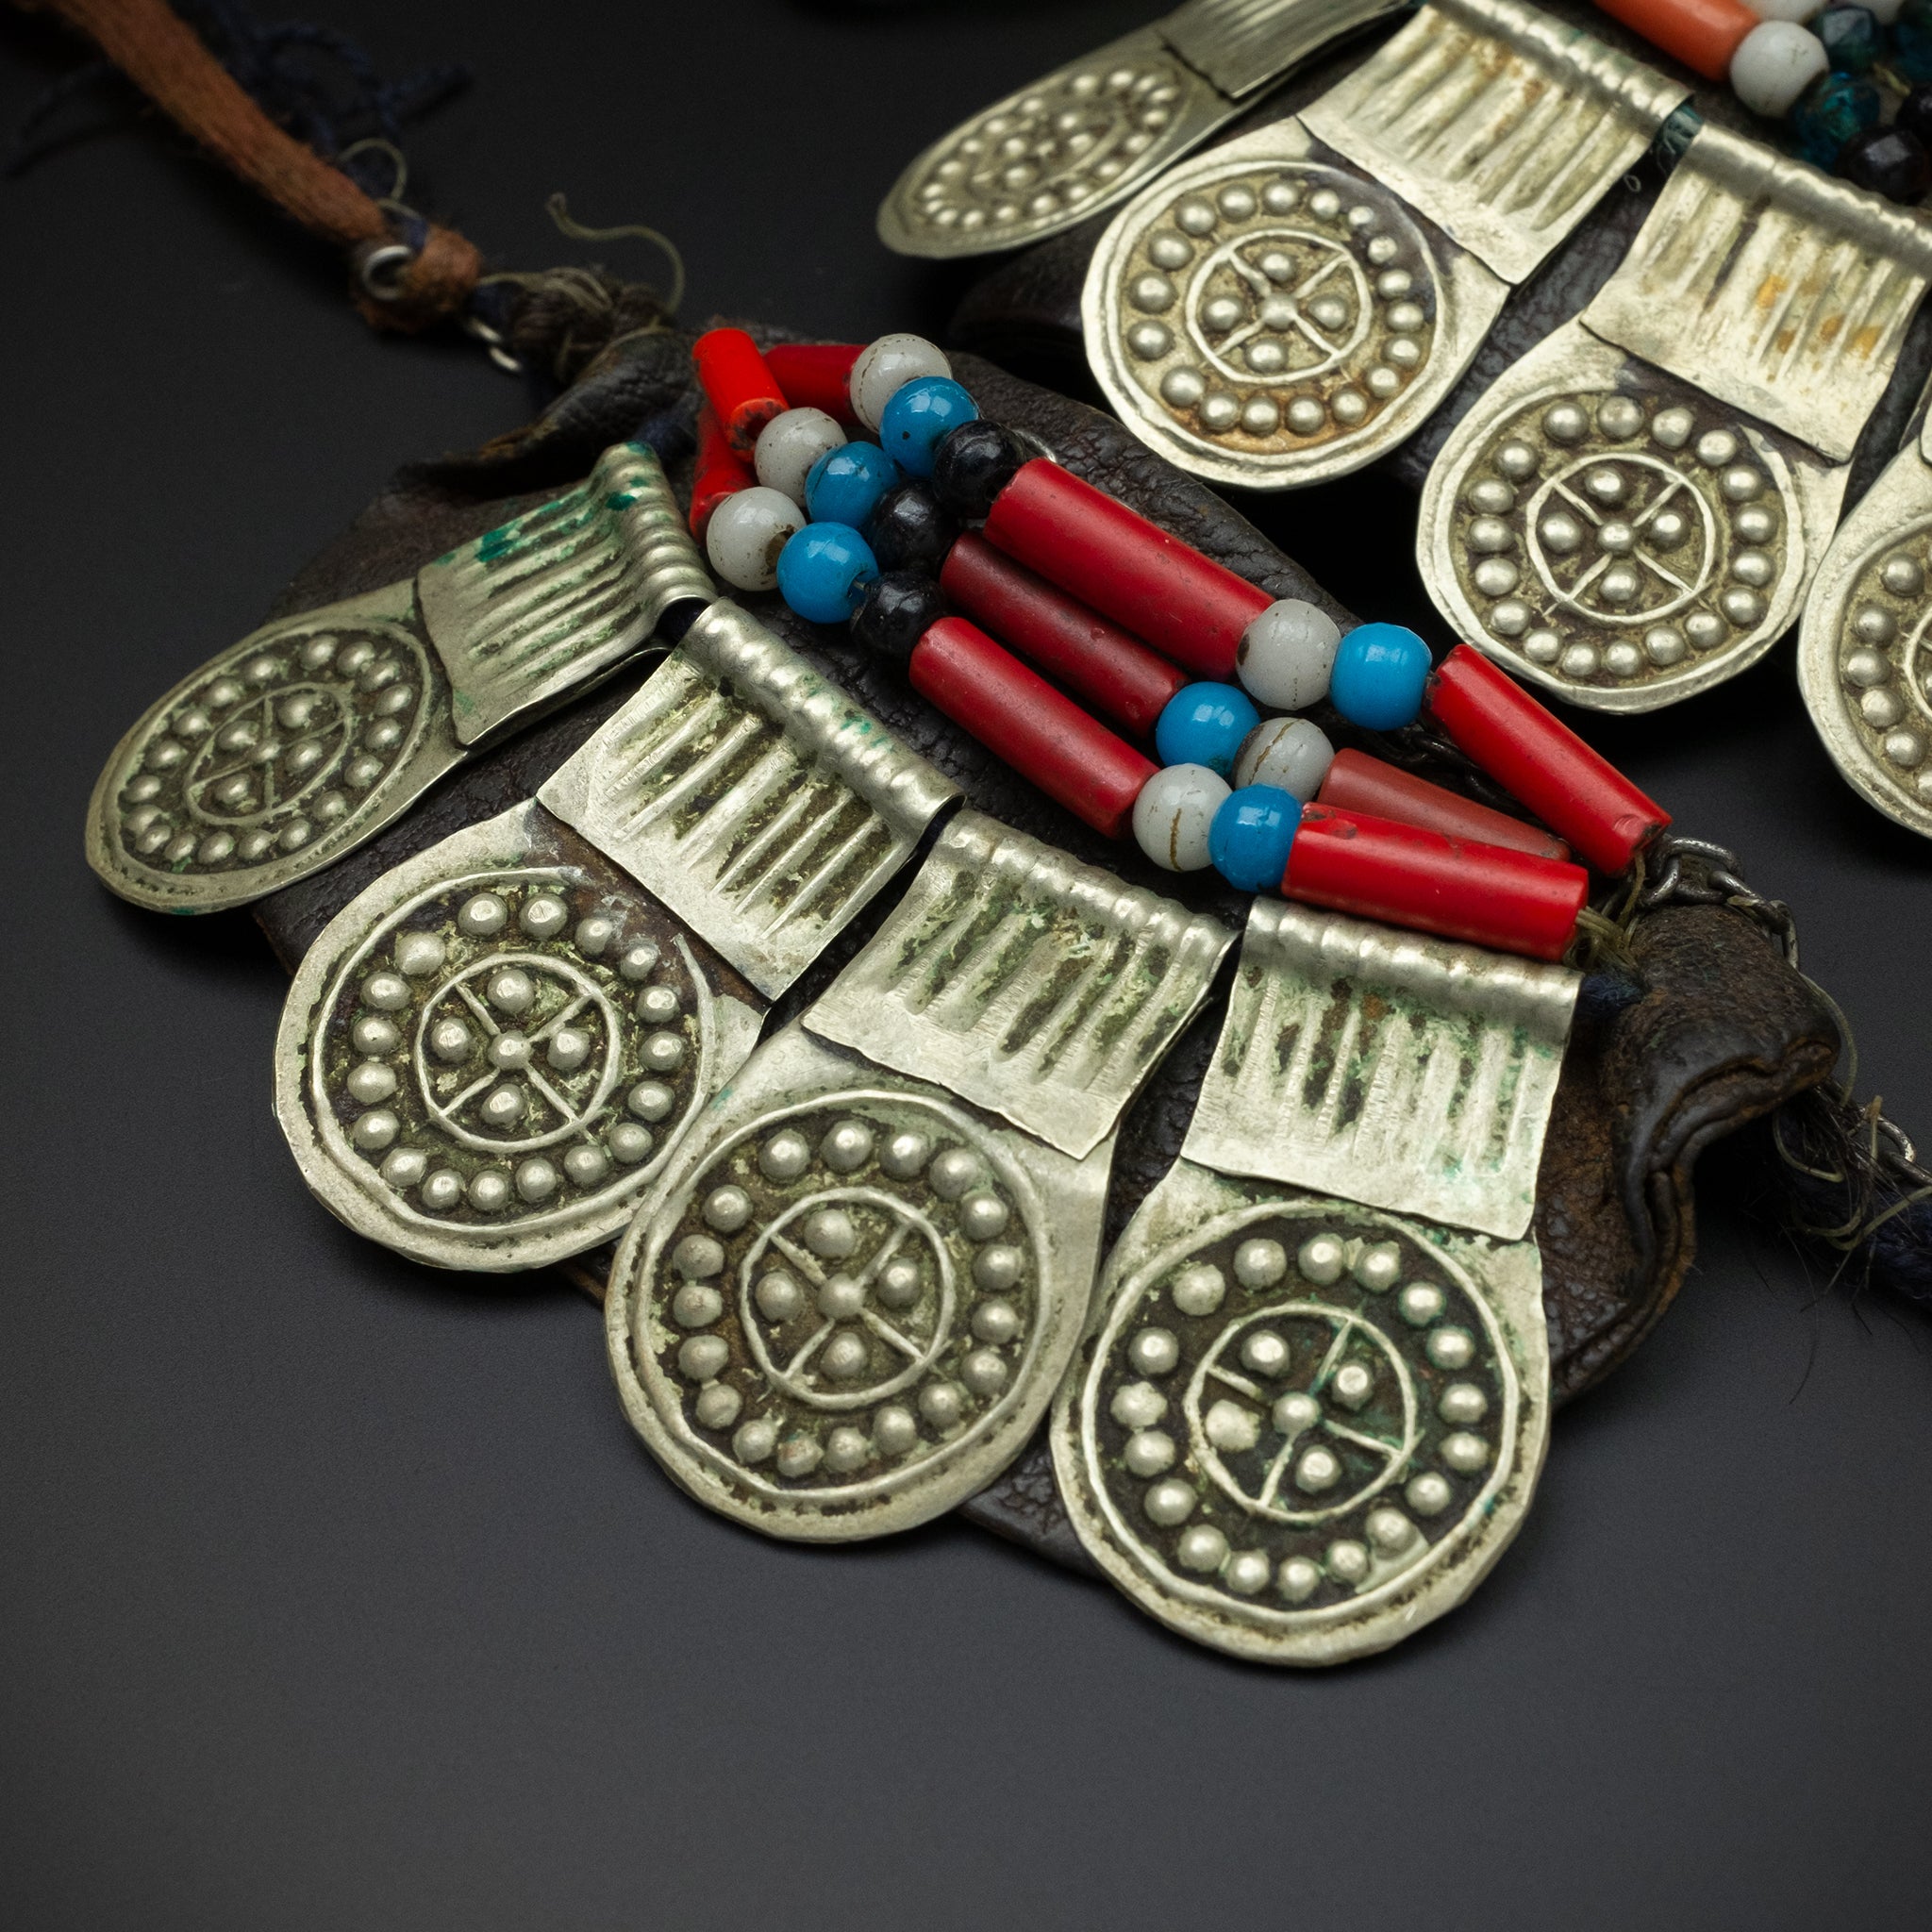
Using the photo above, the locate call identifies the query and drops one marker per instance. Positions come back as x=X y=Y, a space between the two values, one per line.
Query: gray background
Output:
x=336 y=1594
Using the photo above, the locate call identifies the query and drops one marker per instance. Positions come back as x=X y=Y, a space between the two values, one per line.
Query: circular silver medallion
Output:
x=1866 y=658
x=269 y=763
x=1264 y=317
x=1292 y=1429
x=501 y=1063
x=1620 y=546
x=831 y=1317
x=1025 y=165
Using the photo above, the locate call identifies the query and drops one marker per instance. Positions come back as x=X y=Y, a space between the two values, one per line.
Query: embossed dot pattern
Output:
x=1614 y=540
x=1885 y=658
x=1275 y=310
x=875 y=1309
x=511 y=1046
x=271 y=748
x=1327 y=1425
x=1041 y=155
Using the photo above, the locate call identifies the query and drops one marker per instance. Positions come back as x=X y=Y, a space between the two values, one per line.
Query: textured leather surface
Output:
x=1024 y=311
x=1721 y=1031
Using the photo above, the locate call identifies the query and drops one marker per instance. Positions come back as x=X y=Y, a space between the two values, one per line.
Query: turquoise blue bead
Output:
x=824 y=570
x=846 y=484
x=1380 y=669
x=1252 y=834
x=1204 y=724
x=1851 y=36
x=1828 y=113
x=921 y=415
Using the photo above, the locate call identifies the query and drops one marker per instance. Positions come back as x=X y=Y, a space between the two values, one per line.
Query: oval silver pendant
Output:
x=490 y=1052
x=1302 y=1428
x=1865 y=651
x=847 y=1307
x=1267 y=317
x=1091 y=133
x=1616 y=535
x=273 y=758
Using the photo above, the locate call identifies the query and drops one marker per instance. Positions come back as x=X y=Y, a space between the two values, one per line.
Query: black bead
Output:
x=910 y=531
x=1888 y=162
x=973 y=465
x=1915 y=114
x=894 y=614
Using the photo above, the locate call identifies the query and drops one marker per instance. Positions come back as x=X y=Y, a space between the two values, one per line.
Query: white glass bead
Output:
x=1285 y=655
x=1884 y=12
x=1172 y=813
x=747 y=531
x=1800 y=10
x=1775 y=63
x=884 y=366
x=1291 y=754
x=790 y=444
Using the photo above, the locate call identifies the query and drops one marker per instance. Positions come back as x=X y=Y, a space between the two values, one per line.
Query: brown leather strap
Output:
x=167 y=60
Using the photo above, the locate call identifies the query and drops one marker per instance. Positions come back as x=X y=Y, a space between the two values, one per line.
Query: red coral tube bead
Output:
x=1096 y=548
x=1405 y=876
x=1126 y=682
x=720 y=471
x=1024 y=721
x=1534 y=758
x=736 y=384
x=1703 y=34
x=1356 y=782
x=815 y=375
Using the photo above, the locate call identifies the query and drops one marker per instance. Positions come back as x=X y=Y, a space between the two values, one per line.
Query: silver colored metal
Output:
x=847 y=1304
x=1675 y=459
x=1292 y=305
x=275 y=759
x=1500 y=124
x=1301 y=1429
x=1772 y=287
x=306 y=738
x=1413 y=1074
x=751 y=795
x=1036 y=988
x=1655 y=544
x=477 y=1067
x=1865 y=647
x=562 y=594
x=490 y=1054
x=1089 y=134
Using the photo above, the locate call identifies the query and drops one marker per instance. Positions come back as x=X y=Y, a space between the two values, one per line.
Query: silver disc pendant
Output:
x=1633 y=513
x=1617 y=535
x=1304 y=1428
x=1300 y=1426
x=1290 y=305
x=1089 y=134
x=491 y=1053
x=275 y=759
x=309 y=736
x=1865 y=651
x=846 y=1306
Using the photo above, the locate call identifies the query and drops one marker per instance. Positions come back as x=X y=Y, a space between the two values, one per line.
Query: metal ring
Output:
x=380 y=268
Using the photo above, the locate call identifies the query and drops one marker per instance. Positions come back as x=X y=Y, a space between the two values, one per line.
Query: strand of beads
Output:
x=1827 y=72
x=820 y=516
x=1081 y=626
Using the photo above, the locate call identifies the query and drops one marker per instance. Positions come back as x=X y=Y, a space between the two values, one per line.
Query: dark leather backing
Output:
x=1715 y=1031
